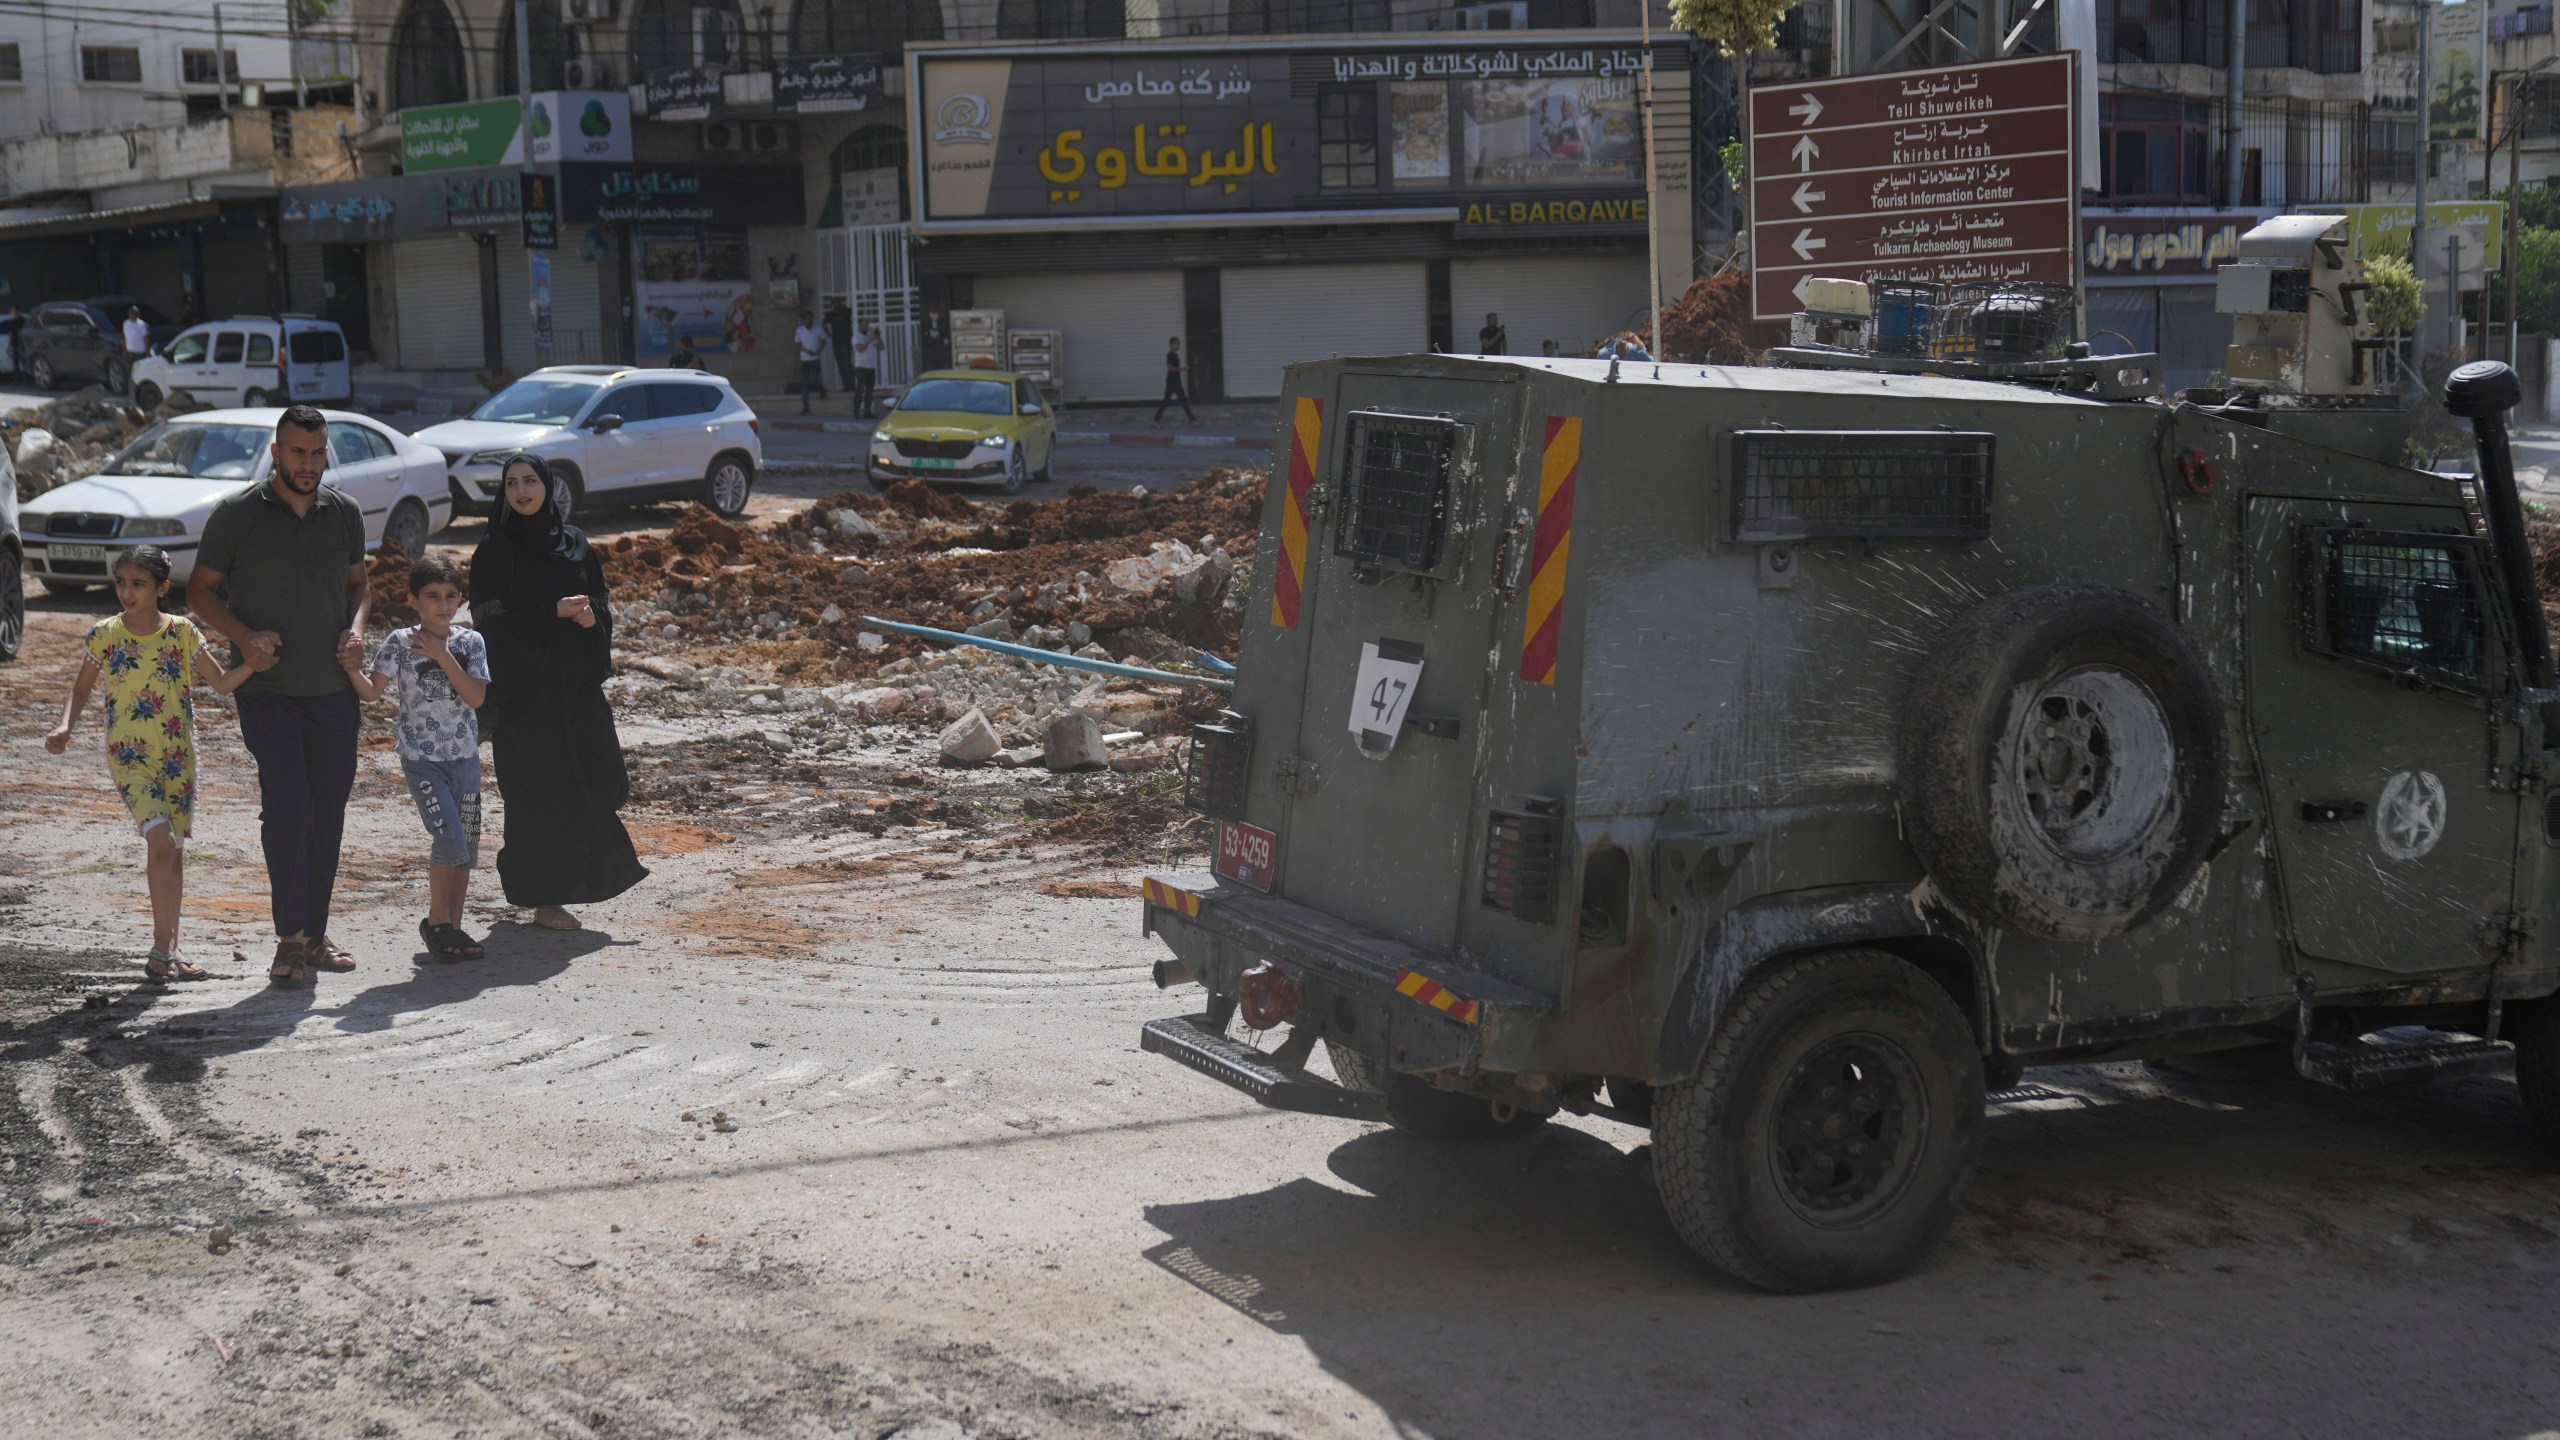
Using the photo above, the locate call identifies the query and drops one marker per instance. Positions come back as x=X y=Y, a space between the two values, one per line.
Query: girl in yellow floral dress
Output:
x=148 y=659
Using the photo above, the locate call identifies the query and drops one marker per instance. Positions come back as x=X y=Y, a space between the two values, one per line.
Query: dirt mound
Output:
x=1711 y=324
x=387 y=569
x=926 y=503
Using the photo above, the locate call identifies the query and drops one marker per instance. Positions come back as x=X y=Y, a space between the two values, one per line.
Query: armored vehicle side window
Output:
x=1395 y=490
x=2407 y=603
x=1799 y=484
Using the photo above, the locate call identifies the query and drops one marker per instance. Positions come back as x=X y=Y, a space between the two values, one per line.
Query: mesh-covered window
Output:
x=1796 y=484
x=1395 y=490
x=2408 y=603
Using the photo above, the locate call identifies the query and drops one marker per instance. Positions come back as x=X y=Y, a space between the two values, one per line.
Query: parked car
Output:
x=614 y=433
x=67 y=340
x=988 y=426
x=161 y=488
x=249 y=360
x=13 y=585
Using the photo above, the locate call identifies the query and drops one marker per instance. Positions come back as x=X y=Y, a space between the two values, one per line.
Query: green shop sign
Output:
x=459 y=137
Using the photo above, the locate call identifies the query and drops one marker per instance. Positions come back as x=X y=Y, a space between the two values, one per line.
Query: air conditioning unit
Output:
x=719 y=38
x=588 y=72
x=768 y=137
x=593 y=12
x=724 y=137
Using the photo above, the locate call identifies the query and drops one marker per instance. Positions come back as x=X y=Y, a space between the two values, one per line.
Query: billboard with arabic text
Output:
x=1408 y=128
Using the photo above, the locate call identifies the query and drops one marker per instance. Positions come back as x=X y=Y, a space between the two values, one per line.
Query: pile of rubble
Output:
x=74 y=437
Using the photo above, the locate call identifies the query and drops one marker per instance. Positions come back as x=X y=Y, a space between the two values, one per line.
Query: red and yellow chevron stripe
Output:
x=1306 y=428
x=1543 y=628
x=1422 y=987
x=1172 y=897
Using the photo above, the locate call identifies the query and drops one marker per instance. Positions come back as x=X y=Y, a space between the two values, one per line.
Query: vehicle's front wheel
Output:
x=148 y=396
x=1048 y=470
x=13 y=603
x=1830 y=1132
x=1423 y=1110
x=727 y=487
x=118 y=374
x=406 y=530
x=1016 y=470
x=40 y=372
x=2534 y=1026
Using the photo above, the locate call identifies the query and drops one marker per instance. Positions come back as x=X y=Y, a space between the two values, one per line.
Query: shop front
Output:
x=1265 y=202
x=2148 y=278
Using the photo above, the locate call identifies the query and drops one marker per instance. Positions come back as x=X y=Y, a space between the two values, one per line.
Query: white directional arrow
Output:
x=1805 y=244
x=1802 y=286
x=1808 y=110
x=1806 y=152
x=1806 y=196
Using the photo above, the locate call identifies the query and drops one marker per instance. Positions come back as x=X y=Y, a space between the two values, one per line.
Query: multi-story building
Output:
x=146 y=145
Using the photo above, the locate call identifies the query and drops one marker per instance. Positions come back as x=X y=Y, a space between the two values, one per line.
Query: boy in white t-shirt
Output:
x=442 y=673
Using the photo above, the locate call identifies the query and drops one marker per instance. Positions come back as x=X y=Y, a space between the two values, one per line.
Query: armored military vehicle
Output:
x=1781 y=758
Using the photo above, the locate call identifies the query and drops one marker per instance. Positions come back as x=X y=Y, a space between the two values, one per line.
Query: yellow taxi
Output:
x=977 y=426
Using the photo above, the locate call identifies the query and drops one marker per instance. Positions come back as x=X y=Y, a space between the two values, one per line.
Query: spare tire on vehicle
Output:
x=2061 y=762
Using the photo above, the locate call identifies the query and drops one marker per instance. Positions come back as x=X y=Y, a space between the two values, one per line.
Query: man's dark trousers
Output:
x=1174 y=395
x=305 y=747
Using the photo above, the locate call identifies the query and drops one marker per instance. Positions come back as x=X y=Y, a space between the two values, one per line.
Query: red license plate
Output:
x=1247 y=854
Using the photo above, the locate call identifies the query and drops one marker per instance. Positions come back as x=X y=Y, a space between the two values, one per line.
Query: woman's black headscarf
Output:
x=547 y=531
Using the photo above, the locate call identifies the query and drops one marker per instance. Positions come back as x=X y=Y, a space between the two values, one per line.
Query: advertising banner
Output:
x=683 y=95
x=1019 y=138
x=2455 y=45
x=460 y=137
x=394 y=206
x=691 y=282
x=2384 y=229
x=587 y=125
x=654 y=194
x=541 y=212
x=2148 y=245
x=828 y=84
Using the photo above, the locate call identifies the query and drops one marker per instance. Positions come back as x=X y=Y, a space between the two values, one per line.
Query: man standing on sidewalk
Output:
x=137 y=333
x=839 y=327
x=812 y=345
x=1173 y=388
x=1493 y=339
x=866 y=367
x=281 y=574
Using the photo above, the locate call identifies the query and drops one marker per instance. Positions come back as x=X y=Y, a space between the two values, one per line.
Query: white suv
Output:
x=248 y=360
x=615 y=434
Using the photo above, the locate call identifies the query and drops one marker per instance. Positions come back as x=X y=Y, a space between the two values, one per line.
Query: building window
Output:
x=550 y=47
x=111 y=64
x=822 y=27
x=2155 y=149
x=195 y=67
x=10 y=74
x=427 y=57
x=1347 y=136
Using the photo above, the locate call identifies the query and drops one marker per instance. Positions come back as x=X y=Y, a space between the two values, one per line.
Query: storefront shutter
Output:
x=235 y=276
x=577 y=323
x=436 y=285
x=1113 y=326
x=154 y=274
x=1574 y=300
x=515 y=305
x=306 y=289
x=1274 y=316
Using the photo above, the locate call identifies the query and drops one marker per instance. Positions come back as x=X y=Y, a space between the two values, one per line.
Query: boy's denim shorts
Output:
x=448 y=796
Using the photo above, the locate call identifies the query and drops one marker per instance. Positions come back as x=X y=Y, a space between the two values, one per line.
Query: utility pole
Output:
x=221 y=71
x=537 y=262
x=2235 y=66
x=1652 y=199
x=2418 y=188
x=293 y=50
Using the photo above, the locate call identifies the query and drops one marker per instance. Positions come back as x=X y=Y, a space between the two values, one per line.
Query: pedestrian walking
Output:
x=1173 y=387
x=812 y=345
x=1493 y=339
x=684 y=358
x=441 y=673
x=151 y=663
x=12 y=320
x=137 y=332
x=839 y=327
x=538 y=595
x=866 y=367
x=280 y=573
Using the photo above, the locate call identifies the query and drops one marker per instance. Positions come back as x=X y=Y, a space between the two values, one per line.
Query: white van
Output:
x=249 y=360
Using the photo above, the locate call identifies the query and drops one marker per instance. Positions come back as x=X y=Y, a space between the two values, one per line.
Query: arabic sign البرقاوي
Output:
x=2383 y=229
x=460 y=137
x=2152 y=245
x=828 y=84
x=1017 y=138
x=1964 y=173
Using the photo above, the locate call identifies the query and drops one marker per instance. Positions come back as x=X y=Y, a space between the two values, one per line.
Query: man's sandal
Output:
x=286 y=970
x=165 y=966
x=448 y=942
x=324 y=953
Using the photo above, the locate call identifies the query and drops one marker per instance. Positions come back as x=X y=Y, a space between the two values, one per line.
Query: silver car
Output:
x=615 y=434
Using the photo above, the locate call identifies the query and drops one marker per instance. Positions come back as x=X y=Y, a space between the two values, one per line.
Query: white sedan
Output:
x=162 y=488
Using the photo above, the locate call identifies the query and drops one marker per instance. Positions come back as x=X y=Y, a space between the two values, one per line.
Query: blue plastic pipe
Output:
x=1046 y=657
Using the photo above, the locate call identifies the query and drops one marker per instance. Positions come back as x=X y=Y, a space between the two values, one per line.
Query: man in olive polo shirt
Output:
x=281 y=574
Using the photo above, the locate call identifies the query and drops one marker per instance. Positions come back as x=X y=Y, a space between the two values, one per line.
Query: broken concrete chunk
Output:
x=1071 y=742
x=970 y=740
x=999 y=628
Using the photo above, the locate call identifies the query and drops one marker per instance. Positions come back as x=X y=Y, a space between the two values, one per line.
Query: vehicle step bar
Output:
x=2362 y=1066
x=1188 y=1040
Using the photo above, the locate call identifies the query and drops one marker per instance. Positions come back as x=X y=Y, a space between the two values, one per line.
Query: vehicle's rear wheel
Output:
x=1419 y=1109
x=13 y=603
x=148 y=396
x=2534 y=1026
x=254 y=398
x=40 y=372
x=118 y=374
x=1830 y=1132
x=406 y=530
x=2060 y=763
x=727 y=487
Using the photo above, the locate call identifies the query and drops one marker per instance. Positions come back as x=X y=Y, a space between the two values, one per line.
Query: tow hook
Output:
x=1268 y=997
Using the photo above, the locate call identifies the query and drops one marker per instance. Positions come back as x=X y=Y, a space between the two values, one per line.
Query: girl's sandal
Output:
x=286 y=971
x=448 y=942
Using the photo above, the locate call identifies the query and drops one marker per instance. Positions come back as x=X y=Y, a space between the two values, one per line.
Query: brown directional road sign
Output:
x=1961 y=173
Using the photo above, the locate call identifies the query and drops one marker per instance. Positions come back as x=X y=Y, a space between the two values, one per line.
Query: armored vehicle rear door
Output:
x=1397 y=557
x=2376 y=662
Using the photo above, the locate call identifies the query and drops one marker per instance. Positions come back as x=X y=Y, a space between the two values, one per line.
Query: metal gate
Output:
x=866 y=267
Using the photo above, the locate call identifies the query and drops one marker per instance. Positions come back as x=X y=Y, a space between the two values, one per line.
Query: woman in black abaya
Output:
x=538 y=598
